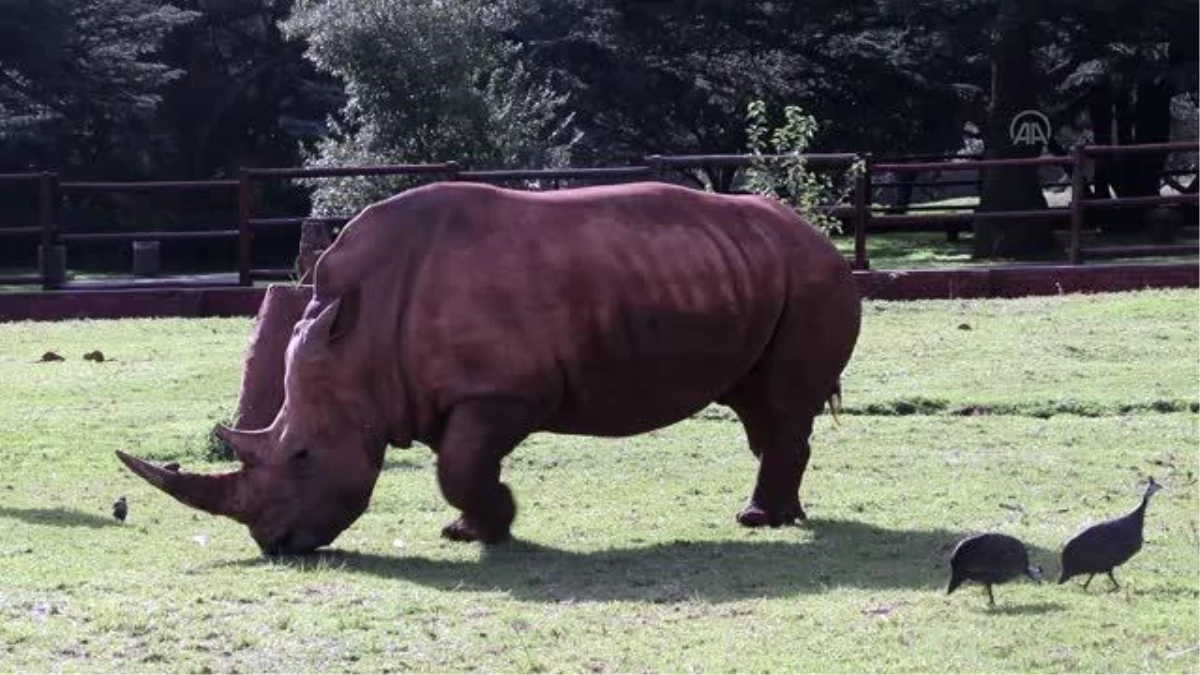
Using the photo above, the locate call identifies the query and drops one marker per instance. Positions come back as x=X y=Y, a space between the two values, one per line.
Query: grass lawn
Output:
x=931 y=250
x=1030 y=417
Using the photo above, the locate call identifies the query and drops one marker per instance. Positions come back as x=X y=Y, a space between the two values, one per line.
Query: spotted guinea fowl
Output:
x=990 y=559
x=1108 y=545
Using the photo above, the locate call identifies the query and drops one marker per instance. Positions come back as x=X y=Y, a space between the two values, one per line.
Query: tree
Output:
x=1019 y=188
x=81 y=81
x=779 y=168
x=426 y=81
x=1102 y=72
x=246 y=96
x=1129 y=61
x=673 y=76
x=1112 y=72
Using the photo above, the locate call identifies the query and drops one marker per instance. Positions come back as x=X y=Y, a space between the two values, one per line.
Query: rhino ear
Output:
x=249 y=446
x=332 y=322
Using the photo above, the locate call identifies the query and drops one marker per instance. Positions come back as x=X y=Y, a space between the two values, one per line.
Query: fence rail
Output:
x=859 y=212
x=167 y=235
x=147 y=186
x=353 y=171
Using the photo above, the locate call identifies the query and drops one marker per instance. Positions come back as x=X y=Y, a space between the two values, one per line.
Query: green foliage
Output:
x=246 y=95
x=426 y=81
x=215 y=447
x=781 y=170
x=81 y=81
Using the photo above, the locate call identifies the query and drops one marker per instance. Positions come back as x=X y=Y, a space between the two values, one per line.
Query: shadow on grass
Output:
x=1029 y=609
x=840 y=553
x=59 y=517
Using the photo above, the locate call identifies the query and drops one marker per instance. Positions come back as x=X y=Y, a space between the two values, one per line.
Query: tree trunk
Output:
x=1143 y=115
x=1152 y=124
x=1100 y=111
x=1012 y=188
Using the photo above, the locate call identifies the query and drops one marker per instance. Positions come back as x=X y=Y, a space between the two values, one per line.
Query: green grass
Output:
x=912 y=250
x=627 y=556
x=931 y=250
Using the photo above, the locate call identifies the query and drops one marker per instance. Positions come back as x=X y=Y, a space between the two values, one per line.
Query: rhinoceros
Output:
x=467 y=317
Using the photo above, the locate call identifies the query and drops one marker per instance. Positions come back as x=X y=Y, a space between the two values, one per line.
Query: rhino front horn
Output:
x=217 y=494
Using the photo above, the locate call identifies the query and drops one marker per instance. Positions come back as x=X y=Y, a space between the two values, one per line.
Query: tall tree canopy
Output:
x=426 y=81
x=246 y=95
x=80 y=81
x=196 y=88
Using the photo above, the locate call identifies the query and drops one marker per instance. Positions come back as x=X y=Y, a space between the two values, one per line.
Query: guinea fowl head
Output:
x=1152 y=486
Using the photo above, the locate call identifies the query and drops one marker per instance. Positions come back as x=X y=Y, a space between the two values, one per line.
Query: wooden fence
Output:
x=858 y=210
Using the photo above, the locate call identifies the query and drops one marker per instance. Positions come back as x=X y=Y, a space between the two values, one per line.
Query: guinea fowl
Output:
x=989 y=559
x=1108 y=545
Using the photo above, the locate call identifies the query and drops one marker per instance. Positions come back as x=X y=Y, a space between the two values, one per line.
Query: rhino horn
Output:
x=217 y=494
x=249 y=446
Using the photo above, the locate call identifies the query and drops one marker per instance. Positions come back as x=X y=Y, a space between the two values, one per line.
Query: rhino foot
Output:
x=755 y=515
x=464 y=530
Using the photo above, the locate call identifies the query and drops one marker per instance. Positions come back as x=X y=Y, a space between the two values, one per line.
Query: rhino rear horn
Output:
x=248 y=446
x=332 y=322
x=217 y=494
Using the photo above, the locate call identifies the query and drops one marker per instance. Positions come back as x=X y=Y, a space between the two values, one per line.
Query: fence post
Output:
x=245 y=235
x=862 y=213
x=656 y=166
x=51 y=263
x=1078 y=197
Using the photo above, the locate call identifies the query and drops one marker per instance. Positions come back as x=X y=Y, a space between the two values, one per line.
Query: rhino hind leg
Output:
x=777 y=401
x=780 y=441
x=477 y=436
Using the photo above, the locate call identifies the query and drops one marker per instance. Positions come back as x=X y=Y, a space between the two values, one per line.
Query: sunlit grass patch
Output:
x=1043 y=415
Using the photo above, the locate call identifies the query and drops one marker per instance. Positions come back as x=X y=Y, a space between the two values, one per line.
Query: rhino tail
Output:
x=835 y=403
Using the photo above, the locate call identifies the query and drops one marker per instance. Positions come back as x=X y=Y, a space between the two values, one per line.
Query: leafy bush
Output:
x=780 y=169
x=426 y=82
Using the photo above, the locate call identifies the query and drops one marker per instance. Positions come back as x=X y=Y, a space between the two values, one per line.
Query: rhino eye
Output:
x=300 y=455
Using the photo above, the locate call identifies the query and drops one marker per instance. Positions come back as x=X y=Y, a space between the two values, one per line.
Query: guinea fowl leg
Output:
x=991 y=598
x=1089 y=580
x=1113 y=579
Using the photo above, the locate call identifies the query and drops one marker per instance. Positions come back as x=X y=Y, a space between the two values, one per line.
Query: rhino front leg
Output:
x=477 y=437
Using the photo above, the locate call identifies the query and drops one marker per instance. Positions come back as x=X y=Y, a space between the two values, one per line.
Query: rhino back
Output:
x=615 y=310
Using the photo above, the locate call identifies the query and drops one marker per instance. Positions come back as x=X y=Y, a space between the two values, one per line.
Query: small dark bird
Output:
x=51 y=356
x=120 y=509
x=97 y=356
x=989 y=559
x=1108 y=545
